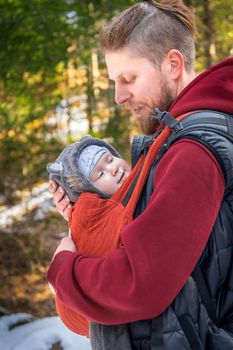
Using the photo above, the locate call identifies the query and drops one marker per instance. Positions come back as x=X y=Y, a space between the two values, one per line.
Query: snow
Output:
x=38 y=334
x=39 y=198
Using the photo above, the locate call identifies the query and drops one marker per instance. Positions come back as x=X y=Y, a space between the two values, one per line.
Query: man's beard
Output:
x=148 y=126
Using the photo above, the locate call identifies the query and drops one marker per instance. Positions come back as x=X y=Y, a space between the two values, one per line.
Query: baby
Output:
x=91 y=171
x=91 y=165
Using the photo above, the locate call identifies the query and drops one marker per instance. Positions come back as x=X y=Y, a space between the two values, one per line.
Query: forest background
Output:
x=53 y=90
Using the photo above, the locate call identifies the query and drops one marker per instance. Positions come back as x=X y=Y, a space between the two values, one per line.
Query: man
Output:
x=186 y=207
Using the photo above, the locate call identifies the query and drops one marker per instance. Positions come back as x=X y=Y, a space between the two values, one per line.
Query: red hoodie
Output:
x=162 y=245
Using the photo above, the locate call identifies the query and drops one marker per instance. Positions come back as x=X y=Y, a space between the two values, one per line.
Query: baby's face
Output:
x=109 y=173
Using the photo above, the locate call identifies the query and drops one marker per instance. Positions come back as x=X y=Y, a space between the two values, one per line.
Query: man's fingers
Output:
x=64 y=207
x=60 y=200
x=67 y=212
x=62 y=203
x=58 y=196
x=57 y=192
x=53 y=187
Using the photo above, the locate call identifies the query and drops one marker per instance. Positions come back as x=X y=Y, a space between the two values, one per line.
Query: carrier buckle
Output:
x=165 y=118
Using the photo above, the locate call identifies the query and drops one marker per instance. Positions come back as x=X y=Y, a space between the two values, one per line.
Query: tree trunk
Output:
x=209 y=46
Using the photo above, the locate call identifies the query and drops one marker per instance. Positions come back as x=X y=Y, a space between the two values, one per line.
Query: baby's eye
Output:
x=110 y=159
x=100 y=174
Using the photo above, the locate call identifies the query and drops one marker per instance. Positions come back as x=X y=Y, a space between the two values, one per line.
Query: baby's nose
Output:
x=114 y=170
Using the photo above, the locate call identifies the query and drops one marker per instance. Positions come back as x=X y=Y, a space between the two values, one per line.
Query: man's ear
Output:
x=174 y=64
x=55 y=168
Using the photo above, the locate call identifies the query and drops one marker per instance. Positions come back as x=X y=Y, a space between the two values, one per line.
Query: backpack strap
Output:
x=140 y=146
x=230 y=124
x=190 y=332
x=128 y=194
x=206 y=120
x=205 y=294
x=221 y=124
x=157 y=342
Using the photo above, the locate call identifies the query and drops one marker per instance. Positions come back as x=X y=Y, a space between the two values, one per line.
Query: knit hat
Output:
x=89 y=157
x=68 y=173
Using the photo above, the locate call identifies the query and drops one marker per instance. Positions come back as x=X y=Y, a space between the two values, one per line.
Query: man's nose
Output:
x=122 y=95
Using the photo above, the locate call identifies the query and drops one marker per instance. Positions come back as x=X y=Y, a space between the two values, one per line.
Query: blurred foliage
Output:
x=24 y=257
x=49 y=54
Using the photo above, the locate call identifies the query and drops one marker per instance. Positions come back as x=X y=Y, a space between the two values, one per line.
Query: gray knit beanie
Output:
x=73 y=177
x=89 y=157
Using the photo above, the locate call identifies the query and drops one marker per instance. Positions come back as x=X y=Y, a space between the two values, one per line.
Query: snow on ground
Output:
x=39 y=198
x=38 y=334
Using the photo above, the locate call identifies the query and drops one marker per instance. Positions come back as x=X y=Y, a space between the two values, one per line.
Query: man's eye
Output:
x=132 y=80
x=128 y=80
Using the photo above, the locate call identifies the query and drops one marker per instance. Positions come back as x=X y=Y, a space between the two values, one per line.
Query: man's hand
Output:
x=61 y=200
x=66 y=244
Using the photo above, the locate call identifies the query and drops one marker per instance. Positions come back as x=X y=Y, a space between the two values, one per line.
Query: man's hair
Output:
x=151 y=29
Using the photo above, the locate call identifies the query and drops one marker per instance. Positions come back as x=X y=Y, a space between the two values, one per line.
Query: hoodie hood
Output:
x=212 y=90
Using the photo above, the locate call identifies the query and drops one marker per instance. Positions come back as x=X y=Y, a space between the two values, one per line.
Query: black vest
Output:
x=201 y=316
